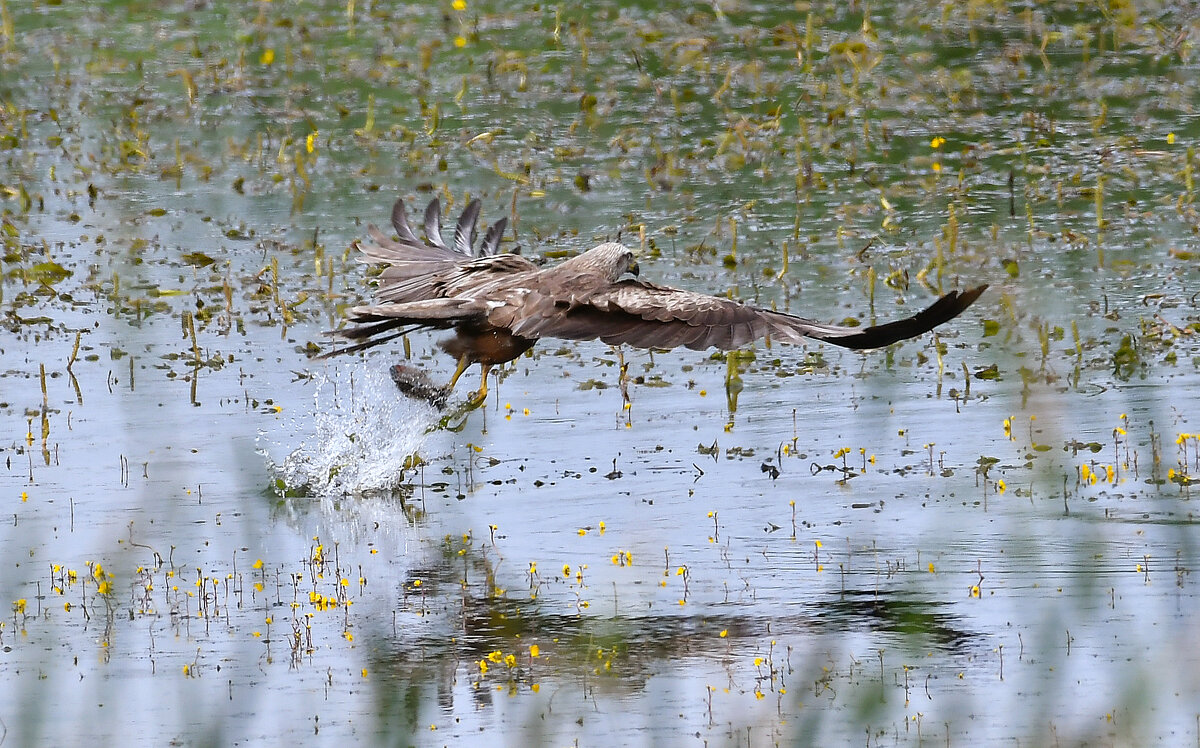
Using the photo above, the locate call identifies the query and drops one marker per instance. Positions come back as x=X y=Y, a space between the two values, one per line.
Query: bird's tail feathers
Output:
x=379 y=323
x=370 y=335
x=427 y=312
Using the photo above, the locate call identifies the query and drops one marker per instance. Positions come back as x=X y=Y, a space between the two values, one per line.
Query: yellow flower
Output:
x=724 y=633
x=758 y=661
x=483 y=667
x=496 y=656
x=364 y=672
x=258 y=564
x=1170 y=138
x=24 y=496
x=310 y=142
x=582 y=531
x=268 y=56
x=937 y=142
x=533 y=650
x=510 y=660
x=19 y=606
x=1001 y=486
x=461 y=42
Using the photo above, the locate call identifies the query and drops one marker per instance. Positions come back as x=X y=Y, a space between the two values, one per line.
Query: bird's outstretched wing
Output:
x=650 y=316
x=424 y=283
x=413 y=266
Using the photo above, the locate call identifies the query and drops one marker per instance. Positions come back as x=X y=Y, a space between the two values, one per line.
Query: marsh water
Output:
x=983 y=536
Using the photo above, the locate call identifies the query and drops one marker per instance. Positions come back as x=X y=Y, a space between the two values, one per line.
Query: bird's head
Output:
x=612 y=260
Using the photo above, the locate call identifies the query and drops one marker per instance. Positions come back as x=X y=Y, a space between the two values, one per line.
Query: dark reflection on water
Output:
x=920 y=622
x=647 y=642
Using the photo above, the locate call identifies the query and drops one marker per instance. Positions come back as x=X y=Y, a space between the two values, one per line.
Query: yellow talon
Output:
x=481 y=395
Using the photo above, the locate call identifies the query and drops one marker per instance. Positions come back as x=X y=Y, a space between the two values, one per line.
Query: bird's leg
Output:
x=463 y=363
x=481 y=395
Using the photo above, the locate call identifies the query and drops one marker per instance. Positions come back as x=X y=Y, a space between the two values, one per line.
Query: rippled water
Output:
x=215 y=538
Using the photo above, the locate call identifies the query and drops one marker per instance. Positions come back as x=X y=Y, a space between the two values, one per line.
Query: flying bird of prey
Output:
x=499 y=305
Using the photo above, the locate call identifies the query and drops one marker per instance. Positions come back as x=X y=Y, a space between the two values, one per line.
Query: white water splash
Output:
x=356 y=438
